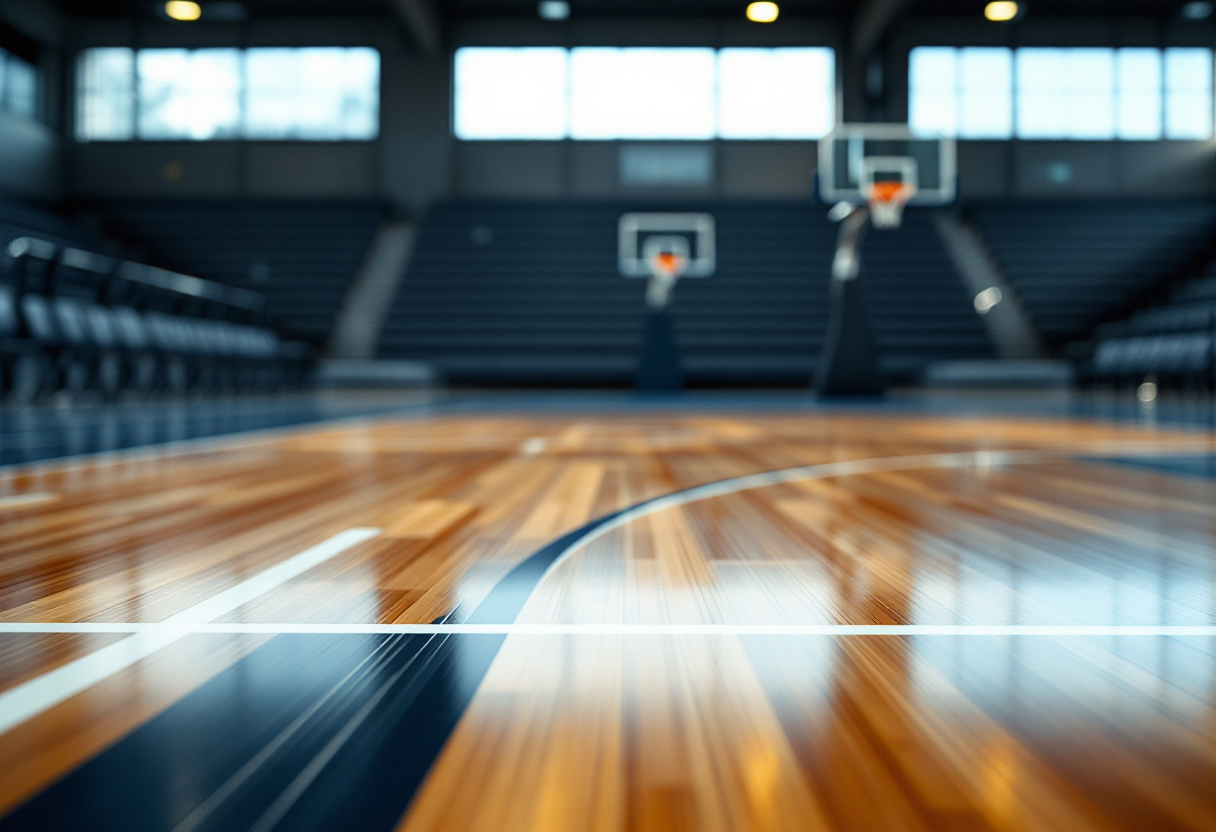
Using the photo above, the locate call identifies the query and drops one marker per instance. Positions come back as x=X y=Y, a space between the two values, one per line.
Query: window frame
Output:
x=241 y=133
x=713 y=129
x=1161 y=95
x=35 y=75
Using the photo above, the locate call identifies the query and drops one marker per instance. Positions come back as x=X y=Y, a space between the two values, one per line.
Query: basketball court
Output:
x=462 y=415
x=536 y=614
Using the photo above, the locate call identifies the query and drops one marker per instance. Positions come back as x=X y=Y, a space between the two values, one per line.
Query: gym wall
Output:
x=416 y=160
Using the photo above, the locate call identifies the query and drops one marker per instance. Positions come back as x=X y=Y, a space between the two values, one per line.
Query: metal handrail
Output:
x=137 y=273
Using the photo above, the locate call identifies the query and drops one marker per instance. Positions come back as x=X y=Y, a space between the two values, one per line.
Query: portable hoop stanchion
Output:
x=870 y=173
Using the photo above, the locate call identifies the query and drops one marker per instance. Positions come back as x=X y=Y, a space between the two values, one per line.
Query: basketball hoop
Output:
x=888 y=183
x=665 y=248
x=863 y=164
x=668 y=264
x=887 y=201
x=667 y=258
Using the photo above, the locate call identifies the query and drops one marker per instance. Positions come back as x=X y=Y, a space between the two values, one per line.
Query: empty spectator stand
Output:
x=300 y=254
x=515 y=292
x=75 y=320
x=1077 y=263
x=1175 y=342
x=919 y=308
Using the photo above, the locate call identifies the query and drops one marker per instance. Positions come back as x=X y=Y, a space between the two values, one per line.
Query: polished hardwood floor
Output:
x=926 y=622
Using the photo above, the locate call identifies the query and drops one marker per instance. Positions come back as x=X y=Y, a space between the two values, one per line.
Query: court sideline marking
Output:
x=1173 y=630
x=508 y=597
x=43 y=692
x=499 y=610
x=27 y=499
x=823 y=470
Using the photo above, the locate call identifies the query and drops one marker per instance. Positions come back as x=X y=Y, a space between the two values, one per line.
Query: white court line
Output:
x=533 y=446
x=824 y=470
x=32 y=498
x=641 y=629
x=37 y=695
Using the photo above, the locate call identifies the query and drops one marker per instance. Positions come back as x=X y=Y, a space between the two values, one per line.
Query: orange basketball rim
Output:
x=888 y=191
x=668 y=262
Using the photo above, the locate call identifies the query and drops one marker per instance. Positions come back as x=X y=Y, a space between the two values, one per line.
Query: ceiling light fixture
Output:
x=183 y=10
x=553 y=9
x=763 y=12
x=1001 y=10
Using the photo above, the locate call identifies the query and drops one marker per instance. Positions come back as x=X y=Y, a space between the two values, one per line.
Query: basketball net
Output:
x=887 y=201
x=665 y=269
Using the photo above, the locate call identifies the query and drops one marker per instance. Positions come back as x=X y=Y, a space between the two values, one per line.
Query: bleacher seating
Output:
x=1202 y=288
x=300 y=254
x=81 y=322
x=528 y=292
x=919 y=307
x=1174 y=342
x=1075 y=264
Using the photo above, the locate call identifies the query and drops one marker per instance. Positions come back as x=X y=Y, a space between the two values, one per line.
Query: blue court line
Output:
x=1190 y=465
x=254 y=748
x=357 y=749
x=285 y=741
x=307 y=733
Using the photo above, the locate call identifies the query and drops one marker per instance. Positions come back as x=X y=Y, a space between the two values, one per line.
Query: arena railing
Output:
x=76 y=321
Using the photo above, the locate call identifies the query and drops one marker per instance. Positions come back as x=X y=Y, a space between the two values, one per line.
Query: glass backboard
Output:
x=854 y=153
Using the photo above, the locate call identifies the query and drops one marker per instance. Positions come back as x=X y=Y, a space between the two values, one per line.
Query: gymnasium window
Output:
x=1051 y=93
x=961 y=92
x=776 y=93
x=1188 y=93
x=179 y=94
x=1065 y=93
x=643 y=93
x=317 y=94
x=18 y=86
x=185 y=94
x=511 y=93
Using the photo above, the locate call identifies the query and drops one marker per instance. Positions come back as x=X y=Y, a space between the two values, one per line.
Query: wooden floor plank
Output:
x=611 y=732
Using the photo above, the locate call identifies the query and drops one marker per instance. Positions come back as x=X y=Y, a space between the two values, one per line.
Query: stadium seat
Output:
x=53 y=335
x=1078 y=263
x=534 y=296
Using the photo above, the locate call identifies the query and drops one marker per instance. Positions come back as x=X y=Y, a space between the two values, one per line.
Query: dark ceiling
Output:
x=730 y=8
x=633 y=8
x=256 y=8
x=641 y=8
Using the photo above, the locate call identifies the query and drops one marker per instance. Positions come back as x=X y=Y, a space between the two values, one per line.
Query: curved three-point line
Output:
x=362 y=748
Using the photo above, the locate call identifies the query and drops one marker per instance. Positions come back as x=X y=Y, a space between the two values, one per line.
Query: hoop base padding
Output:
x=848 y=365
x=659 y=360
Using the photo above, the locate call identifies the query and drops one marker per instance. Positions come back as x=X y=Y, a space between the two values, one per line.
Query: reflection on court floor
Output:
x=715 y=618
